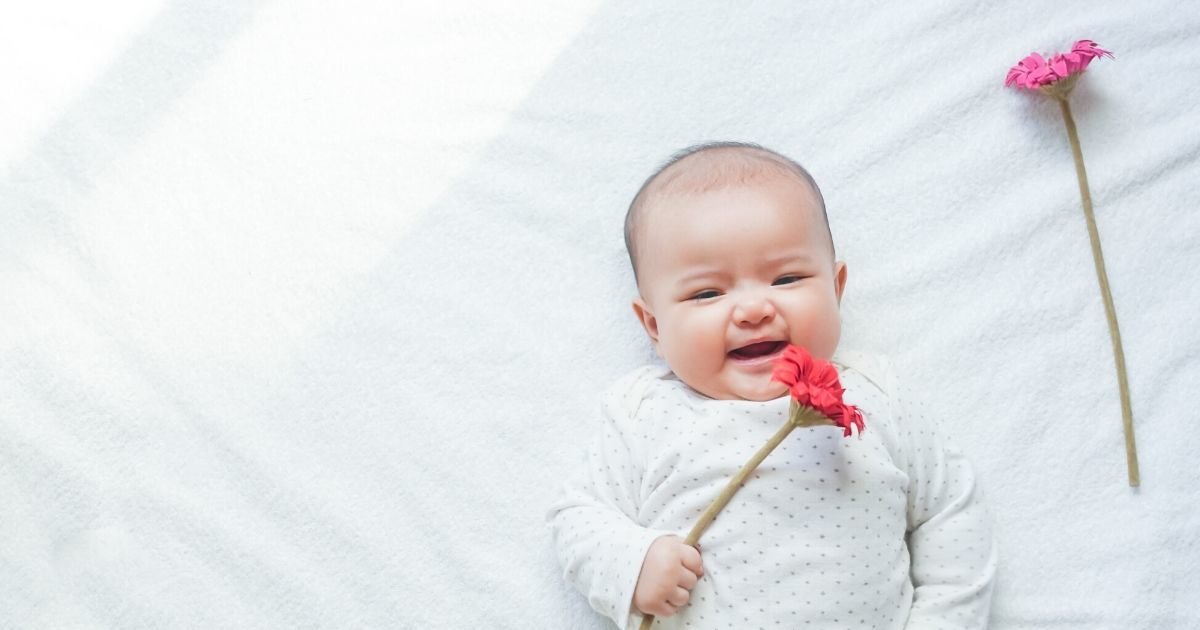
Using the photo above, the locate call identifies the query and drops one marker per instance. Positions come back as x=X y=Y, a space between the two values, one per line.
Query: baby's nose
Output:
x=754 y=310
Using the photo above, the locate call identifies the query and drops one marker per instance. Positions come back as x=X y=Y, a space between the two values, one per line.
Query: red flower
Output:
x=1034 y=71
x=814 y=383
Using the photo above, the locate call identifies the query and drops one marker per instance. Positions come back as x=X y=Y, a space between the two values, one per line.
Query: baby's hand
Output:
x=669 y=572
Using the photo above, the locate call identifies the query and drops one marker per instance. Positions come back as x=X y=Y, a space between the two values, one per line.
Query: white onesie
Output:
x=883 y=530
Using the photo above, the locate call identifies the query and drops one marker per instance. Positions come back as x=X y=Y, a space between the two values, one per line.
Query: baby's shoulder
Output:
x=861 y=369
x=871 y=385
x=635 y=385
x=628 y=392
x=887 y=401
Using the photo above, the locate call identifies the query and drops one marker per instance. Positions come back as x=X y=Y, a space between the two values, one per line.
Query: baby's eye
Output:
x=705 y=295
x=787 y=280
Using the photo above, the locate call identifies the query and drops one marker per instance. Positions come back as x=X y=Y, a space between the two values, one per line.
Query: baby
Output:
x=734 y=259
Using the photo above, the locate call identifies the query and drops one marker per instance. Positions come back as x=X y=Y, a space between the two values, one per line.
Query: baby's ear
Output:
x=839 y=280
x=646 y=317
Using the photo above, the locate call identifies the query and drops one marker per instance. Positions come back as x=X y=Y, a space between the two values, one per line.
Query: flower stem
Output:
x=1109 y=309
x=722 y=499
x=735 y=483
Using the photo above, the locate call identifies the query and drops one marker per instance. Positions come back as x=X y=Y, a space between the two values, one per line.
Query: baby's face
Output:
x=729 y=277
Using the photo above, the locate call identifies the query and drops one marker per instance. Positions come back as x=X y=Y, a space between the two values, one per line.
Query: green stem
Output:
x=1109 y=309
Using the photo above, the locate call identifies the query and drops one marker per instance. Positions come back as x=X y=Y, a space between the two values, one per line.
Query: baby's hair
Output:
x=717 y=165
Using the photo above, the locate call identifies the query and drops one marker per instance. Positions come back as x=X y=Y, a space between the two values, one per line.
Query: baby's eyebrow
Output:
x=788 y=257
x=698 y=274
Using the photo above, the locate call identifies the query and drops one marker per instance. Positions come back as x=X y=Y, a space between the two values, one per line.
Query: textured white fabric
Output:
x=819 y=536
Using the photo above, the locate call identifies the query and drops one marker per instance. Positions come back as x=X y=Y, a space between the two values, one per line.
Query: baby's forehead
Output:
x=713 y=168
x=668 y=203
x=723 y=167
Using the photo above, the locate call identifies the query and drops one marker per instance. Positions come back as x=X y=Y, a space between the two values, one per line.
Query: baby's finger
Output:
x=687 y=579
x=678 y=597
x=691 y=559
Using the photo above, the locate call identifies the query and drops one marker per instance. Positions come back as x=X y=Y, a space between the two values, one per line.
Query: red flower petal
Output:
x=815 y=383
x=824 y=399
x=851 y=417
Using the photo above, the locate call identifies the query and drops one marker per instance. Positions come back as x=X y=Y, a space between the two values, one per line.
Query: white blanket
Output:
x=305 y=307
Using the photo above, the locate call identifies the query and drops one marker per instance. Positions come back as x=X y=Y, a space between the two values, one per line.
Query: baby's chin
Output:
x=758 y=392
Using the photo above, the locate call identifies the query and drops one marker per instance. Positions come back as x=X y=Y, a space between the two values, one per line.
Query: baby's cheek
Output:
x=818 y=330
x=701 y=345
x=711 y=338
x=831 y=332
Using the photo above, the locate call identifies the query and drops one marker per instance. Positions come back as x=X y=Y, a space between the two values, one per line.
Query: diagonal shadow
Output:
x=112 y=114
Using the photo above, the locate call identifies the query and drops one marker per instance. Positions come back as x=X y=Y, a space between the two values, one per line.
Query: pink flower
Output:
x=1029 y=73
x=1034 y=71
x=1056 y=78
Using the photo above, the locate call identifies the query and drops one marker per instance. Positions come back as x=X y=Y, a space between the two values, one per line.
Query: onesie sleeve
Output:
x=597 y=538
x=949 y=531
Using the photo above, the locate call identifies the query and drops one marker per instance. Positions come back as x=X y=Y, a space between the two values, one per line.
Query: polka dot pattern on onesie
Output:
x=829 y=532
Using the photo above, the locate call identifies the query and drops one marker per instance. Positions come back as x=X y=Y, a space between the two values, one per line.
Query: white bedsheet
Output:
x=304 y=310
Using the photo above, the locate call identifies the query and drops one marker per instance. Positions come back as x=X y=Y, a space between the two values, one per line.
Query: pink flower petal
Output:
x=1075 y=61
x=1041 y=76
x=1035 y=71
x=1059 y=65
x=1090 y=49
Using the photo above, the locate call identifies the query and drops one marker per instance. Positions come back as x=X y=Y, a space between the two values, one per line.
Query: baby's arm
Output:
x=949 y=532
x=596 y=535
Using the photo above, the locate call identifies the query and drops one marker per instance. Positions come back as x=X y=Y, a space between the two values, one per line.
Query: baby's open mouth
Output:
x=760 y=349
